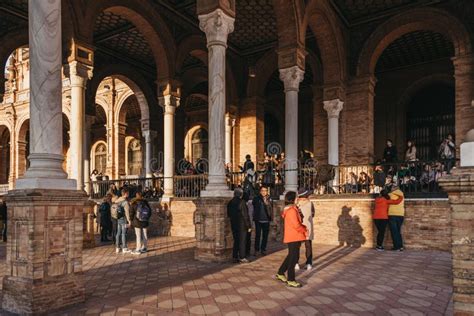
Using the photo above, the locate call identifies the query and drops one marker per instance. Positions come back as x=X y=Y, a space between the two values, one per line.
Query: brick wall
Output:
x=349 y=222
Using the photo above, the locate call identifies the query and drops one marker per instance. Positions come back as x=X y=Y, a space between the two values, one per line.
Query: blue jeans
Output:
x=121 y=232
x=396 y=223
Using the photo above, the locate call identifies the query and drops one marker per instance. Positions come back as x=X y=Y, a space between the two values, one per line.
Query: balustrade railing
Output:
x=415 y=179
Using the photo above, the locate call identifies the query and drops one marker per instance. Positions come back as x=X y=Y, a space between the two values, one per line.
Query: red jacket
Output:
x=294 y=229
x=381 y=207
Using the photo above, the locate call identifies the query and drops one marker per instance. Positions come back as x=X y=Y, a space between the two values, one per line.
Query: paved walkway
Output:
x=345 y=281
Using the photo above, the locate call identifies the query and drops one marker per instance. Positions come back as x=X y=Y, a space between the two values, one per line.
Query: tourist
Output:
x=95 y=185
x=410 y=154
x=248 y=164
x=396 y=213
x=379 y=178
x=121 y=212
x=240 y=224
x=428 y=178
x=105 y=218
x=262 y=216
x=3 y=218
x=307 y=209
x=113 y=190
x=248 y=201
x=380 y=215
x=390 y=152
x=140 y=213
x=364 y=182
x=447 y=153
x=294 y=233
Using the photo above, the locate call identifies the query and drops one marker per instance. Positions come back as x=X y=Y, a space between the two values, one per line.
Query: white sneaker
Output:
x=126 y=250
x=309 y=267
x=136 y=252
x=297 y=267
x=117 y=250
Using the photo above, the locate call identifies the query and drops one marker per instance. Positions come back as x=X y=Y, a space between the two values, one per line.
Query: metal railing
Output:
x=415 y=179
x=189 y=186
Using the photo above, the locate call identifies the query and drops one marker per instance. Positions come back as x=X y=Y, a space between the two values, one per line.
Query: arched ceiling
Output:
x=415 y=48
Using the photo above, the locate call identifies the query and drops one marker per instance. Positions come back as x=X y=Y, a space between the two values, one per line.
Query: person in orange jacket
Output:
x=295 y=233
x=380 y=215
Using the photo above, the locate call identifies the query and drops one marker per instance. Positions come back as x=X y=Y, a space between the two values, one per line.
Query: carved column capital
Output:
x=292 y=78
x=169 y=103
x=217 y=25
x=333 y=107
x=78 y=73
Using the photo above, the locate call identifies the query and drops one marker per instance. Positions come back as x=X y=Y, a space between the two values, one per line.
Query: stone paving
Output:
x=345 y=281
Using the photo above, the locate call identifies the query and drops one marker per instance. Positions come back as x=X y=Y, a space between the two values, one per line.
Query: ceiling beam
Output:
x=114 y=33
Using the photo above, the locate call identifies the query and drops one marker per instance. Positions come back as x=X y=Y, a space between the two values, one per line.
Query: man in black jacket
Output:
x=240 y=223
x=262 y=216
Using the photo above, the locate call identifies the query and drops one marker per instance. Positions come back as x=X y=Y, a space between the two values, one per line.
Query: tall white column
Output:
x=291 y=78
x=228 y=138
x=217 y=25
x=78 y=75
x=87 y=153
x=333 y=107
x=46 y=123
x=169 y=104
x=148 y=152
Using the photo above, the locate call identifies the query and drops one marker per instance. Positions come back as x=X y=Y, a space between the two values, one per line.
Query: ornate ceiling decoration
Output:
x=415 y=48
x=255 y=25
x=13 y=15
x=117 y=36
x=354 y=12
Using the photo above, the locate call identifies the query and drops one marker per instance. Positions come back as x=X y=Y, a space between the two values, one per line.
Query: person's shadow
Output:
x=350 y=232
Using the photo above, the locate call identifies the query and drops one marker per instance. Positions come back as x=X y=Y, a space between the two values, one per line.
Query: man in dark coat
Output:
x=240 y=224
x=262 y=216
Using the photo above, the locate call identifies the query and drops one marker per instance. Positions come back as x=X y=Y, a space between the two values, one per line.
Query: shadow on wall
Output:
x=350 y=232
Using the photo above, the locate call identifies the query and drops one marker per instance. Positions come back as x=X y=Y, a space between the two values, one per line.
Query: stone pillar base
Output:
x=460 y=187
x=213 y=232
x=44 y=251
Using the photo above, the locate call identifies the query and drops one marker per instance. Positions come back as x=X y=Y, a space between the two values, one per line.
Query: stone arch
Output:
x=426 y=19
x=188 y=151
x=189 y=45
x=92 y=154
x=130 y=170
x=325 y=25
x=288 y=15
x=5 y=153
x=145 y=17
x=22 y=132
x=265 y=67
x=10 y=42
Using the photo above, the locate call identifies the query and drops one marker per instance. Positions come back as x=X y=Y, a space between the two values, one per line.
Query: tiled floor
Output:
x=345 y=281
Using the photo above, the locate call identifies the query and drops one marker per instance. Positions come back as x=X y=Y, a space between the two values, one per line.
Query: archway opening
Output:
x=409 y=69
x=5 y=148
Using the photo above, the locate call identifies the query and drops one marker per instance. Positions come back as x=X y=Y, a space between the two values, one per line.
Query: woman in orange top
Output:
x=295 y=233
x=380 y=215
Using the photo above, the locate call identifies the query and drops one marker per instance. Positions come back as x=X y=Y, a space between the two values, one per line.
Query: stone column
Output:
x=291 y=78
x=21 y=158
x=217 y=25
x=120 y=150
x=228 y=138
x=460 y=187
x=148 y=153
x=46 y=141
x=333 y=108
x=78 y=74
x=169 y=102
x=44 y=252
x=87 y=153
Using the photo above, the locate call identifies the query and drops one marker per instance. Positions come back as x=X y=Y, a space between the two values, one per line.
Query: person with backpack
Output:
x=295 y=232
x=140 y=213
x=105 y=218
x=121 y=212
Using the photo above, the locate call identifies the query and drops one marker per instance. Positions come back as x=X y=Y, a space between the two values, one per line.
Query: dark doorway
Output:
x=430 y=118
